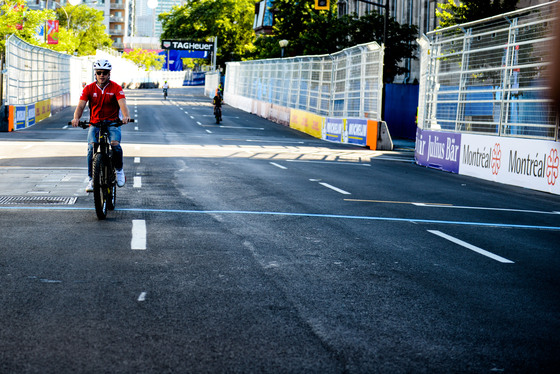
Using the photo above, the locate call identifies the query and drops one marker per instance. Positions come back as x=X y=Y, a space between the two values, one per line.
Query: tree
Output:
x=86 y=31
x=228 y=20
x=400 y=44
x=149 y=60
x=18 y=20
x=455 y=12
x=319 y=32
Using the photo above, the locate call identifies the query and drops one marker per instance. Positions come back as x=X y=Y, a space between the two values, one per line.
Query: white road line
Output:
x=387 y=158
x=191 y=117
x=142 y=297
x=136 y=128
x=482 y=208
x=278 y=165
x=332 y=162
x=471 y=247
x=241 y=127
x=138 y=241
x=209 y=132
x=137 y=182
x=136 y=160
x=270 y=141
x=335 y=188
x=199 y=124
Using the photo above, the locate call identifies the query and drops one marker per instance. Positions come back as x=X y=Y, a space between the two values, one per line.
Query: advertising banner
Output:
x=52 y=32
x=521 y=162
x=21 y=112
x=306 y=122
x=438 y=150
x=187 y=45
x=30 y=115
x=334 y=128
x=357 y=130
x=42 y=110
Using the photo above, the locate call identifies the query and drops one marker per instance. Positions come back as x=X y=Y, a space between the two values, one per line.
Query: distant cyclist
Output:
x=217 y=102
x=106 y=103
x=165 y=89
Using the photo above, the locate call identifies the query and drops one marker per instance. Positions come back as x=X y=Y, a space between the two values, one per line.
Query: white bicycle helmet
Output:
x=102 y=65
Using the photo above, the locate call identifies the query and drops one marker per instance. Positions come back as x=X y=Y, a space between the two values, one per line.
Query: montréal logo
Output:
x=552 y=163
x=496 y=159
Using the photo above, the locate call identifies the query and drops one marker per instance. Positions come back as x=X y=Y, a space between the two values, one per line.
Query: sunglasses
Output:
x=102 y=72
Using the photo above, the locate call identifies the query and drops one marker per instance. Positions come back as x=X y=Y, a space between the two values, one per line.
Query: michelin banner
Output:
x=526 y=163
x=334 y=128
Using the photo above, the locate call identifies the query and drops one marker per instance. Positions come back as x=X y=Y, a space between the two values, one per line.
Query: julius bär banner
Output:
x=187 y=45
x=439 y=150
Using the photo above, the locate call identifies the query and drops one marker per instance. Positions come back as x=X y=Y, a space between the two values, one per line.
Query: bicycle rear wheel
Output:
x=218 y=115
x=99 y=186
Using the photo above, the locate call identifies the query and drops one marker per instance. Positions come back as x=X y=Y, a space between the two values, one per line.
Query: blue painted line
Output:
x=313 y=215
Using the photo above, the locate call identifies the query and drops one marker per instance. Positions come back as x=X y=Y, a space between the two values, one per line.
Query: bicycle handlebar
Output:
x=85 y=124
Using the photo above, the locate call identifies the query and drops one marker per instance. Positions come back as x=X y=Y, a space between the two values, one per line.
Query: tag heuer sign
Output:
x=187 y=45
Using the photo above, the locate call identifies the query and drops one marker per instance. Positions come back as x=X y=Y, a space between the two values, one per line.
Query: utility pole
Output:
x=386 y=6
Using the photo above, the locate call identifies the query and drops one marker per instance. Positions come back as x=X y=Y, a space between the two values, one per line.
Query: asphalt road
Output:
x=252 y=248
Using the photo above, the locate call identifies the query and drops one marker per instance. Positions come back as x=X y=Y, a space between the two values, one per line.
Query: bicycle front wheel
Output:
x=99 y=186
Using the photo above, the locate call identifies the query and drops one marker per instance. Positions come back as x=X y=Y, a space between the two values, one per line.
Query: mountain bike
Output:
x=218 y=113
x=165 y=94
x=104 y=175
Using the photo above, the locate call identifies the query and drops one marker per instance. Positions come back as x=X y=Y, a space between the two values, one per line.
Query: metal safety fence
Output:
x=34 y=73
x=348 y=83
x=490 y=76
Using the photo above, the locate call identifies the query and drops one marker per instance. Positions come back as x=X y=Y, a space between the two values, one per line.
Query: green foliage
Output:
x=84 y=33
x=454 y=12
x=320 y=32
x=19 y=20
x=149 y=60
x=229 y=20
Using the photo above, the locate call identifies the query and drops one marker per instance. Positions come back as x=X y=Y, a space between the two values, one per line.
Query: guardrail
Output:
x=490 y=76
x=344 y=84
x=33 y=73
x=332 y=97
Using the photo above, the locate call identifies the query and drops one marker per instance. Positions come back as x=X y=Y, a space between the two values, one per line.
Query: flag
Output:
x=52 y=32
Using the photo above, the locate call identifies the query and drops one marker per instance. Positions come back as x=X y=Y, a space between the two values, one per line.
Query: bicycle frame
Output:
x=103 y=170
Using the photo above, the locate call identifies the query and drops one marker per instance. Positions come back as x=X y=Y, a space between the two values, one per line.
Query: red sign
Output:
x=52 y=32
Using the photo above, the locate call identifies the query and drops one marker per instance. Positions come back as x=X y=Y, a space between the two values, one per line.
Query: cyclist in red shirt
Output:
x=106 y=103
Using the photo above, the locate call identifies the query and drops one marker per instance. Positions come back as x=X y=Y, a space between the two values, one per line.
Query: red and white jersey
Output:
x=103 y=103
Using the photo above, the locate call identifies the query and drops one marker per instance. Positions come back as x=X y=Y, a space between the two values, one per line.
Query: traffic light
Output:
x=322 y=4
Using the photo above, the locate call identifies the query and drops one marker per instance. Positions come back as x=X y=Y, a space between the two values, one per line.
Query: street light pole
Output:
x=386 y=6
x=283 y=44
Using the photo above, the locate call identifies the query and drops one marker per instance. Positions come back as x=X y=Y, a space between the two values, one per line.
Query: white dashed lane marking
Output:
x=138 y=241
